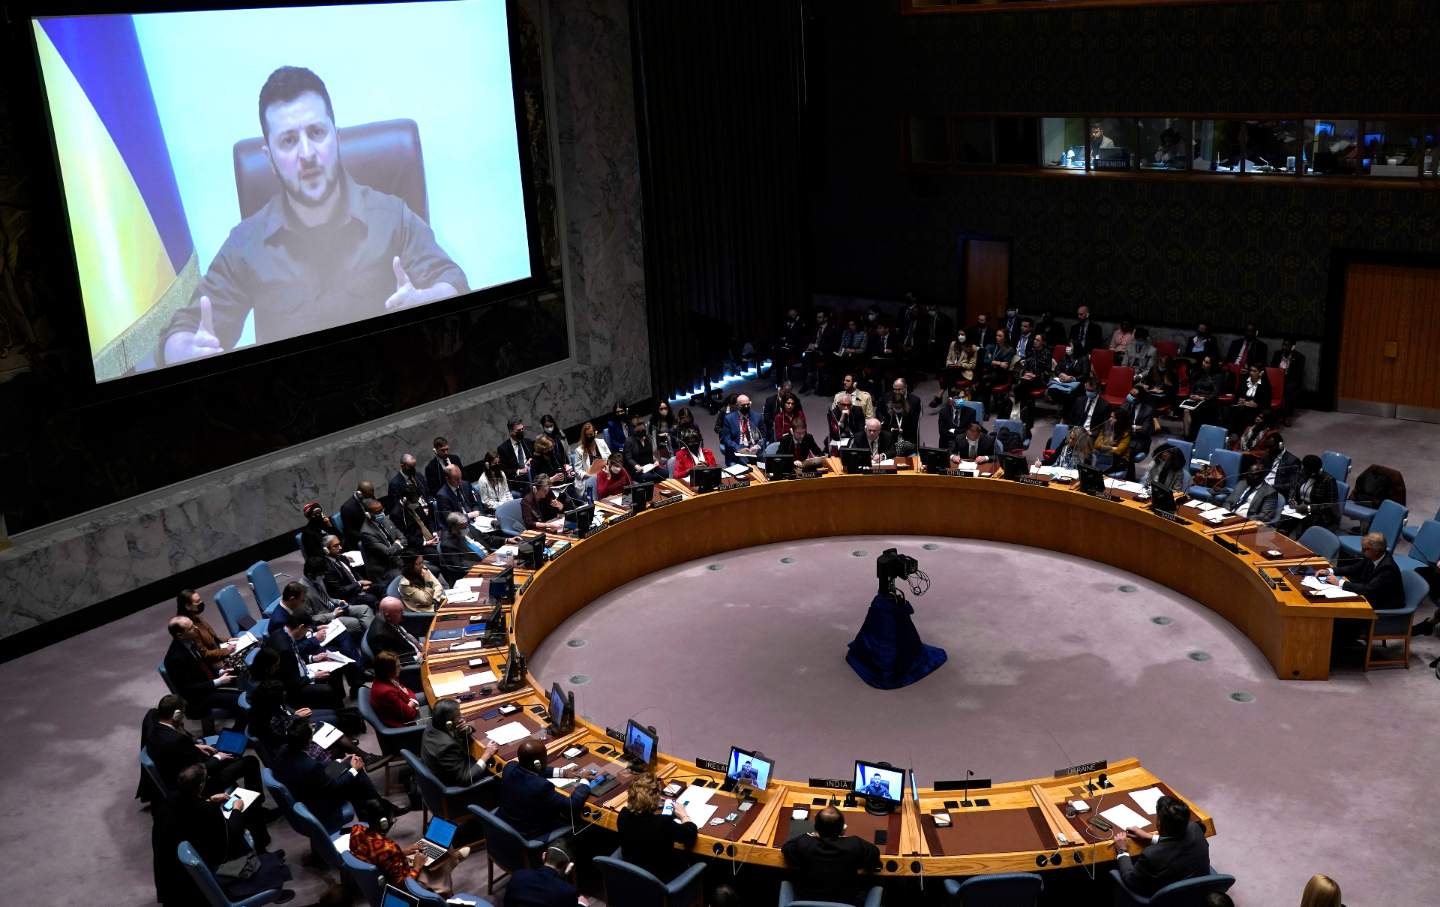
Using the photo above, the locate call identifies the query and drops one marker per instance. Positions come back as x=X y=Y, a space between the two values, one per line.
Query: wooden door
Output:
x=1390 y=341
x=987 y=278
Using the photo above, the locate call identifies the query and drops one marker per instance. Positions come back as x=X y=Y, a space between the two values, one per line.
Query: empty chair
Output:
x=626 y=883
x=205 y=881
x=447 y=802
x=264 y=586
x=505 y=846
x=1207 y=440
x=1388 y=521
x=787 y=898
x=509 y=517
x=1101 y=362
x=428 y=898
x=1227 y=460
x=1410 y=531
x=772 y=449
x=1185 y=893
x=1007 y=889
x=322 y=841
x=1424 y=548
x=365 y=877
x=233 y=611
x=1394 y=623
x=1322 y=541
x=1337 y=464
x=1119 y=384
x=1169 y=348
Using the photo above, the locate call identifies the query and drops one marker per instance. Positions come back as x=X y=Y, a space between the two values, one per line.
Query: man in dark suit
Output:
x=435 y=469
x=954 y=417
x=1293 y=362
x=900 y=411
x=1248 y=350
x=380 y=545
x=324 y=786
x=295 y=649
x=974 y=445
x=456 y=496
x=824 y=343
x=172 y=749
x=1253 y=497
x=515 y=451
x=1375 y=575
x=295 y=599
x=1084 y=333
x=529 y=802
x=1200 y=344
x=880 y=442
x=545 y=886
x=196 y=679
x=825 y=864
x=408 y=482
x=1178 y=852
x=847 y=419
x=340 y=579
x=352 y=514
x=445 y=747
x=1089 y=408
x=982 y=332
x=387 y=632
x=743 y=434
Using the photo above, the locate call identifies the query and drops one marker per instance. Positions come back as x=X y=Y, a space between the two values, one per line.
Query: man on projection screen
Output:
x=325 y=251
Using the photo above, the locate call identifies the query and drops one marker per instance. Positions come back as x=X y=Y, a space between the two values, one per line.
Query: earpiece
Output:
x=178 y=717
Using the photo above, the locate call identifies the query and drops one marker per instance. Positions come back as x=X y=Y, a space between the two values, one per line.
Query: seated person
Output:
x=322 y=606
x=457 y=495
x=1112 y=442
x=198 y=817
x=1074 y=451
x=352 y=513
x=380 y=544
x=1315 y=497
x=515 y=451
x=529 y=802
x=419 y=589
x=847 y=421
x=1072 y=369
x=1167 y=469
x=295 y=598
x=459 y=550
x=1253 y=497
x=547 y=460
x=340 y=579
x=189 y=603
x=325 y=785
x=1375 y=575
x=1140 y=354
x=409 y=482
x=317 y=526
x=648 y=837
x=1208 y=383
x=435 y=470
x=825 y=864
x=975 y=445
x=548 y=885
x=388 y=633
x=445 y=747
x=859 y=397
x=493 y=487
x=394 y=703
x=204 y=682
x=541 y=509
x=641 y=450
x=1031 y=374
x=614 y=478
x=1089 y=410
x=800 y=445
x=1180 y=851
x=787 y=408
x=1252 y=396
x=588 y=451
x=296 y=650
x=954 y=416
x=1160 y=383
x=691 y=454
x=880 y=442
x=370 y=843
x=172 y=748
x=743 y=434
x=271 y=714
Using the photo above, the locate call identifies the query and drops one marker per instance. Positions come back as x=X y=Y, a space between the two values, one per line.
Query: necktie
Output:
x=744 y=430
x=205 y=665
x=1244 y=353
x=970 y=446
x=408 y=637
x=519 y=453
x=1245 y=498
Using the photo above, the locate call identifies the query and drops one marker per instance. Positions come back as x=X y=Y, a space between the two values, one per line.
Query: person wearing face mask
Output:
x=692 y=454
x=618 y=426
x=493 y=488
x=743 y=436
x=963 y=361
x=551 y=429
x=515 y=451
x=955 y=416
x=1089 y=410
x=1071 y=370
x=435 y=469
x=317 y=526
x=664 y=428
x=590 y=451
x=380 y=545
x=1253 y=497
x=614 y=478
x=408 y=482
x=800 y=445
x=1112 y=442
x=640 y=452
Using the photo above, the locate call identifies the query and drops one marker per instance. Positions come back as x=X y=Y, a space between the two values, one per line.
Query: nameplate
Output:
x=665 y=502
x=1083 y=768
x=614 y=734
x=831 y=783
x=972 y=784
x=523 y=586
x=709 y=765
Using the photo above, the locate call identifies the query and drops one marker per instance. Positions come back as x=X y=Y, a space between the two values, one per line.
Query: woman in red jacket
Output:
x=691 y=454
x=614 y=478
x=393 y=702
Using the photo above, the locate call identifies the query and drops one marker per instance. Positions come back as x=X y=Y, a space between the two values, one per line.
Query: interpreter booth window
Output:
x=1163 y=143
x=1062 y=142
x=1394 y=148
x=1332 y=148
x=1219 y=146
x=929 y=139
x=1271 y=146
x=1016 y=140
x=1111 y=143
x=974 y=140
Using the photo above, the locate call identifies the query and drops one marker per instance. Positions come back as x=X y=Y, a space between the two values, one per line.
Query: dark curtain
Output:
x=719 y=96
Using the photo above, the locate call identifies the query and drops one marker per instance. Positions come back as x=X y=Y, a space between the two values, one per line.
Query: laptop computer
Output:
x=436 y=842
x=232 y=742
x=395 y=897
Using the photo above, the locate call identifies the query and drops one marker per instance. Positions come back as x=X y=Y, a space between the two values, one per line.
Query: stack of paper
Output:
x=1123 y=816
x=462 y=596
x=477 y=584
x=1291 y=512
x=355 y=558
x=242 y=642
x=1147 y=798
x=1324 y=589
x=333 y=631
x=483 y=523
x=449 y=683
x=508 y=733
x=739 y=469
x=696 y=801
x=467 y=646
x=1122 y=485
x=1217 y=515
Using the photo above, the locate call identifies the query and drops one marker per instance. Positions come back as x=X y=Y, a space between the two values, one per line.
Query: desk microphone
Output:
x=965 y=801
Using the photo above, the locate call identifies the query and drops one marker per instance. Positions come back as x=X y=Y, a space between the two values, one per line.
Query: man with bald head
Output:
x=457 y=496
x=380 y=544
x=880 y=442
x=352 y=514
x=203 y=686
x=742 y=435
x=825 y=864
x=529 y=802
x=387 y=633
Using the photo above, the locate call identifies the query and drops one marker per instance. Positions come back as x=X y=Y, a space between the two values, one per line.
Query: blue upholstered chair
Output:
x=285 y=802
x=365 y=877
x=1424 y=547
x=447 y=802
x=429 y=898
x=787 y=898
x=771 y=449
x=322 y=841
x=205 y=881
x=263 y=585
x=1394 y=623
x=147 y=765
x=507 y=847
x=1016 y=426
x=628 y=884
x=1321 y=541
x=299 y=541
x=393 y=589
x=1337 y=464
x=1186 y=893
x=236 y=614
x=1057 y=436
x=1007 y=889
x=1389 y=520
x=1227 y=460
x=979 y=409
x=509 y=518
x=1410 y=531
x=1207 y=440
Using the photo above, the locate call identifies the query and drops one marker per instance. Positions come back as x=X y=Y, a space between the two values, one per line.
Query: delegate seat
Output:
x=1185 y=893
x=1389 y=520
x=626 y=883
x=1394 y=623
x=1006 y=889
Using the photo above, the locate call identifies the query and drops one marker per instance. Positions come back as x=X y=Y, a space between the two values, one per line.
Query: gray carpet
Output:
x=1288 y=799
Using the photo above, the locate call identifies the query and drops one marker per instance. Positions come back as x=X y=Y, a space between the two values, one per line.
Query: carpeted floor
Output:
x=1309 y=777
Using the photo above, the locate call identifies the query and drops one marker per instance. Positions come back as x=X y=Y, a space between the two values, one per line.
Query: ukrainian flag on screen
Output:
x=131 y=237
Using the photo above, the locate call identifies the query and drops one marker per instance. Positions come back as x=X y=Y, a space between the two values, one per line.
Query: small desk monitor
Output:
x=640 y=495
x=641 y=744
x=1162 y=499
x=882 y=787
x=705 y=478
x=748 y=769
x=1014 y=465
x=531 y=552
x=584 y=517
x=561 y=720
x=935 y=459
x=502 y=585
x=394 y=897
x=855 y=459
x=1092 y=480
x=779 y=466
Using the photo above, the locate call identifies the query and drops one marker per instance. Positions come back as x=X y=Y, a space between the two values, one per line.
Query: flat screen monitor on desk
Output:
x=531 y=552
x=1162 y=499
x=748 y=769
x=640 y=495
x=779 y=466
x=882 y=786
x=502 y=585
x=641 y=744
x=1092 y=480
x=1015 y=466
x=935 y=459
x=584 y=517
x=855 y=459
x=705 y=478
x=561 y=718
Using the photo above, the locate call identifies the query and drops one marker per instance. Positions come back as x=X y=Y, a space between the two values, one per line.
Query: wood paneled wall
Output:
x=1385 y=305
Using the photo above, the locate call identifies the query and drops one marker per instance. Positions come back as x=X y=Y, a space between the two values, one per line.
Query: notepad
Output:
x=326 y=735
x=355 y=558
x=240 y=797
x=739 y=469
x=242 y=642
x=477 y=585
x=1123 y=816
x=449 y=683
x=483 y=523
x=462 y=597
x=333 y=631
x=1149 y=798
x=508 y=733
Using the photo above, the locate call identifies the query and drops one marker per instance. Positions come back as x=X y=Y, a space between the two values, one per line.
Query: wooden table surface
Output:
x=1228 y=568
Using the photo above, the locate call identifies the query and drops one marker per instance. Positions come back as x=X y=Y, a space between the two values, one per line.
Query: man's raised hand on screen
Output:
x=406 y=293
x=182 y=346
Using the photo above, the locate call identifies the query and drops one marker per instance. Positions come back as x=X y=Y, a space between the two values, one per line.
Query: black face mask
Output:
x=407 y=470
x=518 y=435
x=198 y=609
x=745 y=408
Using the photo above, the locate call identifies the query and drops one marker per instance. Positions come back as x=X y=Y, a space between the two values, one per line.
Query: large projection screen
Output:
x=198 y=231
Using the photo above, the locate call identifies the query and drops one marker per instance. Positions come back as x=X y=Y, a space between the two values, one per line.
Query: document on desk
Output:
x=1123 y=816
x=1217 y=515
x=476 y=584
x=462 y=597
x=696 y=801
x=739 y=469
x=1324 y=589
x=1291 y=512
x=449 y=683
x=333 y=631
x=1147 y=798
x=467 y=646
x=483 y=523
x=508 y=733
x=1122 y=485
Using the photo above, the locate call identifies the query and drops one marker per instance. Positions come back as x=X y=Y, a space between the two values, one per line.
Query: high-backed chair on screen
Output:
x=1119 y=384
x=1016 y=426
x=787 y=898
x=1207 y=439
x=1185 y=893
x=365 y=877
x=384 y=155
x=1006 y=889
x=1101 y=362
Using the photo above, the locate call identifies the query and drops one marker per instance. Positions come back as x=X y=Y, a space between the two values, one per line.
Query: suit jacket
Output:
x=1086 y=335
x=984 y=446
x=381 y=551
x=435 y=471
x=730 y=439
x=288 y=670
x=852 y=423
x=172 y=751
x=542 y=887
x=310 y=783
x=1295 y=374
x=1259 y=352
x=449 y=759
x=908 y=426
x=889 y=345
x=827 y=869
x=341 y=580
x=1166 y=861
x=508 y=462
x=352 y=517
x=685 y=461
x=826 y=339
x=953 y=421
x=886 y=442
x=1324 y=500
x=386 y=638
x=808 y=448
x=533 y=806
x=416 y=488
x=1379 y=581
x=460 y=499
x=1264 y=503
x=1287 y=474
x=1262 y=392
x=1076 y=416
x=188 y=674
